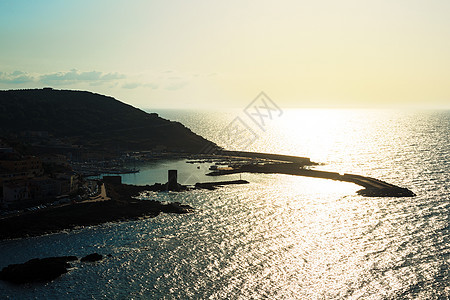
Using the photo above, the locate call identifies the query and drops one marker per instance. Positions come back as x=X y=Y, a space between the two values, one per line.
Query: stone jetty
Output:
x=290 y=165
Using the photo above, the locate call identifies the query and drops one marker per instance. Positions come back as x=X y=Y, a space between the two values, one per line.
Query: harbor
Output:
x=197 y=168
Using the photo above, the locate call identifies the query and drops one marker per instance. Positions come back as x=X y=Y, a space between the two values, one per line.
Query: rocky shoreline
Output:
x=121 y=207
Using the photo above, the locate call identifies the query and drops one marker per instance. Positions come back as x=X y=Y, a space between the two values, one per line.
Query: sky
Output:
x=216 y=54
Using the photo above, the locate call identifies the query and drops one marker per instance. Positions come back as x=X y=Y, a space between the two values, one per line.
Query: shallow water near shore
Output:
x=279 y=237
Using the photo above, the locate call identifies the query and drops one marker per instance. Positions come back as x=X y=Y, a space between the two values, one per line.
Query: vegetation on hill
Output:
x=93 y=120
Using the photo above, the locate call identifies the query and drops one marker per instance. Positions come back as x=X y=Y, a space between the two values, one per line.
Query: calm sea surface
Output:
x=280 y=237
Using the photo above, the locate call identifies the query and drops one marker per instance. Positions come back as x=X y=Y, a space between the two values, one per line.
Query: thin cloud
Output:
x=168 y=80
x=16 y=77
x=133 y=85
x=75 y=76
x=60 y=78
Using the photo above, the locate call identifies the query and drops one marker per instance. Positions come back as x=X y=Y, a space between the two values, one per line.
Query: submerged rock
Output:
x=34 y=270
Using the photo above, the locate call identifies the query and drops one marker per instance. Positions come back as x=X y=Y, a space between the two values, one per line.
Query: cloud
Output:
x=133 y=85
x=16 y=77
x=170 y=80
x=113 y=76
x=75 y=76
x=60 y=78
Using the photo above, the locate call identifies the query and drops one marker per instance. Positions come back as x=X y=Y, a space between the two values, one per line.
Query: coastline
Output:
x=122 y=207
x=117 y=204
x=117 y=201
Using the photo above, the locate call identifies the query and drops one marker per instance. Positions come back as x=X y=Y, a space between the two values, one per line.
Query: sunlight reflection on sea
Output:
x=281 y=237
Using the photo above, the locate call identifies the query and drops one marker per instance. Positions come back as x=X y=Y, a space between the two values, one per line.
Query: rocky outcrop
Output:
x=176 y=208
x=35 y=270
x=92 y=257
x=43 y=269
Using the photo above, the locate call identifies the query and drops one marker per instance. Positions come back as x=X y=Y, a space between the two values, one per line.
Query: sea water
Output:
x=279 y=237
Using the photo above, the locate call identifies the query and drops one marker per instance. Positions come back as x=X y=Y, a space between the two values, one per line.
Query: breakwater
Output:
x=372 y=187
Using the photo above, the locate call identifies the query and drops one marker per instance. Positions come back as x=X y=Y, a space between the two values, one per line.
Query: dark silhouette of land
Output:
x=94 y=121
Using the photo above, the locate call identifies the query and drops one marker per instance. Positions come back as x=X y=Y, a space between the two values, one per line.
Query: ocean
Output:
x=279 y=237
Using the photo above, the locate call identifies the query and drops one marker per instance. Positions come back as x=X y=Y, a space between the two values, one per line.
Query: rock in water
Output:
x=176 y=207
x=45 y=269
x=92 y=257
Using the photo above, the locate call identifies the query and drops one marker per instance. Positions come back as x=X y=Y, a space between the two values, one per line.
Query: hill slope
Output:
x=92 y=120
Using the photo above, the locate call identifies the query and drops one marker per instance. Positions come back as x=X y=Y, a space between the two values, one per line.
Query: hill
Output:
x=92 y=120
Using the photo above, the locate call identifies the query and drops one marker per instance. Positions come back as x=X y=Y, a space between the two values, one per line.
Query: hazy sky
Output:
x=155 y=54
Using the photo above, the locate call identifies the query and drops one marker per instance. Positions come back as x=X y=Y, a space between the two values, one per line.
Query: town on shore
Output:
x=37 y=177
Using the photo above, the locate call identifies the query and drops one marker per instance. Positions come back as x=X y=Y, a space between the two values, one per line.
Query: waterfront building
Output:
x=14 y=194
